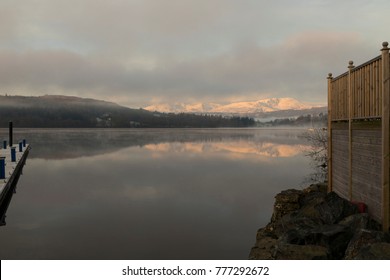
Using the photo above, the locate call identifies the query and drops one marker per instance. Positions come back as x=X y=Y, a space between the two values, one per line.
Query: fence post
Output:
x=330 y=78
x=385 y=136
x=350 y=67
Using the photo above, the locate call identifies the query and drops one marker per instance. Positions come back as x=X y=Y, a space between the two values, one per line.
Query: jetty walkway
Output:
x=12 y=160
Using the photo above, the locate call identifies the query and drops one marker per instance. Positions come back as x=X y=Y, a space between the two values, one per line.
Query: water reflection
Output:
x=148 y=194
x=70 y=143
x=234 y=149
x=6 y=202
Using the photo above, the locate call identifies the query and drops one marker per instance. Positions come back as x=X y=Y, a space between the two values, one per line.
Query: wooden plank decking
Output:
x=12 y=169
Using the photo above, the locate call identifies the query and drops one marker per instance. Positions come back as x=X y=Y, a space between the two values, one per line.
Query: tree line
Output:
x=319 y=120
x=77 y=112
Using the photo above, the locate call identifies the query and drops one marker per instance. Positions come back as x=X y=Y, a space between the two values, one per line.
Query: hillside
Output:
x=68 y=111
x=64 y=111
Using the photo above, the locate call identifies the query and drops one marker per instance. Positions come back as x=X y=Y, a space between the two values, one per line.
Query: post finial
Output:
x=350 y=66
x=330 y=76
x=385 y=46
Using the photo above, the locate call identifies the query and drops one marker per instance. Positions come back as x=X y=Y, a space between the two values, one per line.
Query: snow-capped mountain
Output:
x=182 y=107
x=251 y=107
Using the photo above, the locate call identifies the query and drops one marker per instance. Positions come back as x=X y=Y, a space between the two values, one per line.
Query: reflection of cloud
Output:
x=265 y=149
x=161 y=147
x=177 y=147
x=200 y=181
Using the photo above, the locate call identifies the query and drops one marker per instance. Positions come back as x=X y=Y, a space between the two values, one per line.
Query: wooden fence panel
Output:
x=365 y=90
x=366 y=169
x=339 y=98
x=340 y=162
x=359 y=135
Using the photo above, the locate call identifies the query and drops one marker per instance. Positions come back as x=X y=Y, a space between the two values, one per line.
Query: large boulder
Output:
x=314 y=224
x=375 y=251
x=294 y=223
x=300 y=252
x=361 y=239
x=334 y=237
x=264 y=247
x=286 y=202
x=360 y=221
x=335 y=208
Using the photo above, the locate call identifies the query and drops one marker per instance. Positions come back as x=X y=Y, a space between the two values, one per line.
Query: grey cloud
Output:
x=296 y=68
x=139 y=51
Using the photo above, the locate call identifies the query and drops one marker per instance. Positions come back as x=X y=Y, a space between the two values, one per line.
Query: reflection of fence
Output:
x=358 y=107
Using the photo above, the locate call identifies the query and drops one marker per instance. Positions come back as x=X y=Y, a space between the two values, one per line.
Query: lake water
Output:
x=148 y=193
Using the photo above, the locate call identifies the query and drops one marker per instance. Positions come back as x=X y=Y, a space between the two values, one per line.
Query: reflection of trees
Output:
x=73 y=143
x=318 y=153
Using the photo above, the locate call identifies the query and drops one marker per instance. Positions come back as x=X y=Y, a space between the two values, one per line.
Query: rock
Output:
x=317 y=188
x=314 y=224
x=294 y=236
x=285 y=202
x=335 y=208
x=300 y=252
x=360 y=221
x=264 y=246
x=362 y=238
x=375 y=251
x=310 y=198
x=294 y=222
x=334 y=237
x=316 y=209
x=263 y=249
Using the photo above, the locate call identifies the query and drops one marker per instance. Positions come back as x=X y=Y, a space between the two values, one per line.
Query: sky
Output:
x=142 y=52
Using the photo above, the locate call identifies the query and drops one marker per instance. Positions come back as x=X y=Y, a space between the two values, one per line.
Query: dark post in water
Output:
x=10 y=134
x=13 y=154
x=2 y=167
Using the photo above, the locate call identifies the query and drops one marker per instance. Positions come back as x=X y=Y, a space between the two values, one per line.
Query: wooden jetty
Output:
x=12 y=160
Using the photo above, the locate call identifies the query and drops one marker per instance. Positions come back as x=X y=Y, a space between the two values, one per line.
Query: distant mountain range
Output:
x=69 y=111
x=260 y=108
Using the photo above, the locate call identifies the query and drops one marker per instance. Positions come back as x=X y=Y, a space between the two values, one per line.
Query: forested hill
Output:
x=66 y=111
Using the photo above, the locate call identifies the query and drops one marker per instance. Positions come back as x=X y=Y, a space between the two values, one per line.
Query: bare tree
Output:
x=318 y=153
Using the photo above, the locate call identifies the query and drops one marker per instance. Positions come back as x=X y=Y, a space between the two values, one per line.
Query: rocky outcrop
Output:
x=313 y=224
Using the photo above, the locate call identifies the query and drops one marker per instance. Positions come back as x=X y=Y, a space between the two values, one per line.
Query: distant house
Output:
x=104 y=120
x=135 y=124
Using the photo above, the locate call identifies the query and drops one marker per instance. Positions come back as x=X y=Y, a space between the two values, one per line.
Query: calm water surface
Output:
x=148 y=194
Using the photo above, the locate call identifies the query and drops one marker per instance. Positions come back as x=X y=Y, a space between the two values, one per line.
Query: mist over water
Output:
x=148 y=193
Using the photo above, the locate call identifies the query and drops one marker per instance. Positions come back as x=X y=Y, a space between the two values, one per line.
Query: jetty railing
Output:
x=359 y=131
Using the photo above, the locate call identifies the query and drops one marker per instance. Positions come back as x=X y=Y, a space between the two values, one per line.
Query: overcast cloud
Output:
x=138 y=52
